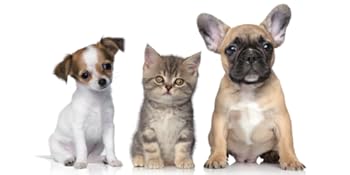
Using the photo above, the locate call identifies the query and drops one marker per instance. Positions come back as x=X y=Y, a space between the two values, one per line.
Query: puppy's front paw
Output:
x=291 y=165
x=69 y=162
x=114 y=162
x=155 y=163
x=138 y=161
x=216 y=161
x=184 y=164
x=80 y=165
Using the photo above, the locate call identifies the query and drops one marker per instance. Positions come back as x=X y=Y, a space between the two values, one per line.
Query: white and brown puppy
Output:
x=85 y=126
x=250 y=117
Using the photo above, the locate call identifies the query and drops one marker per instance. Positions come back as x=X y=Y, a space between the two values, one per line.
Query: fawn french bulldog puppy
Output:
x=250 y=117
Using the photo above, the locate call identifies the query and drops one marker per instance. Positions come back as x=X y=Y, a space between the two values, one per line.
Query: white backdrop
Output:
x=312 y=64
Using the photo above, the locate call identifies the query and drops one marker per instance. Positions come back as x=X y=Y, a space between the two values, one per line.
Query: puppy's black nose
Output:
x=251 y=56
x=251 y=59
x=102 y=82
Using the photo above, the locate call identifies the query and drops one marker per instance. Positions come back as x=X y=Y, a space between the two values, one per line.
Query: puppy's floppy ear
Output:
x=192 y=62
x=212 y=30
x=276 y=23
x=152 y=57
x=62 y=70
x=112 y=45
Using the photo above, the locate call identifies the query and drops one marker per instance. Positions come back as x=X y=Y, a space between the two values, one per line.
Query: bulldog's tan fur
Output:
x=249 y=119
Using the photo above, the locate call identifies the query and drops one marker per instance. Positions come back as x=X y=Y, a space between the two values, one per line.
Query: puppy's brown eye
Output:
x=230 y=50
x=107 y=66
x=179 y=81
x=267 y=46
x=85 y=75
x=159 y=79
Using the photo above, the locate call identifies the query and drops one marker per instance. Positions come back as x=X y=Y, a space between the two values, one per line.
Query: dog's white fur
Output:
x=85 y=126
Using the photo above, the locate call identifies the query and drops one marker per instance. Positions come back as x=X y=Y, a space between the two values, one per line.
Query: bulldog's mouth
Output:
x=251 y=77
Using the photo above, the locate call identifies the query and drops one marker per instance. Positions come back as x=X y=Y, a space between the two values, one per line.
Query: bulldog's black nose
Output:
x=251 y=59
x=251 y=56
x=102 y=82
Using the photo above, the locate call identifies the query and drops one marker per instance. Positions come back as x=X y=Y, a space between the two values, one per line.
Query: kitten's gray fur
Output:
x=165 y=133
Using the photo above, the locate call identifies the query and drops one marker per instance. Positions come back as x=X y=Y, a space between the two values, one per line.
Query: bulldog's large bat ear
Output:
x=276 y=23
x=213 y=30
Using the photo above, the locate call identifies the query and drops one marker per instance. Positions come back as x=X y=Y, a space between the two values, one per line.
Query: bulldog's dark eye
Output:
x=267 y=46
x=85 y=75
x=107 y=66
x=230 y=50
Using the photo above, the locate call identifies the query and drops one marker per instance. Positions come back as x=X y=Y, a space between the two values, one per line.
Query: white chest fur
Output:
x=250 y=114
x=167 y=126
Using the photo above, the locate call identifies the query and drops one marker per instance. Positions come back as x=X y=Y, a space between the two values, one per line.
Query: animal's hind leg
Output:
x=60 y=152
x=96 y=151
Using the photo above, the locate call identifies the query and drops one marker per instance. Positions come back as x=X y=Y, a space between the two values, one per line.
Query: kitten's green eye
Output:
x=179 y=81
x=159 y=79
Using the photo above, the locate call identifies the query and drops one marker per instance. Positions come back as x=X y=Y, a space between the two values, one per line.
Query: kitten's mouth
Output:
x=167 y=93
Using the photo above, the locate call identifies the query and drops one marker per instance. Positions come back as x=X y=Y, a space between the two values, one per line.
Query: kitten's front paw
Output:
x=155 y=163
x=80 y=165
x=216 y=161
x=138 y=161
x=184 y=164
x=114 y=162
x=291 y=165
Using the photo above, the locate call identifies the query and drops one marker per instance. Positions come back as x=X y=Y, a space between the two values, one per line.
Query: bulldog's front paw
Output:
x=184 y=164
x=80 y=165
x=216 y=161
x=155 y=163
x=292 y=164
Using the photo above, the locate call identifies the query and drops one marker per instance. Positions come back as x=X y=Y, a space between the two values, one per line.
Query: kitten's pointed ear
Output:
x=276 y=23
x=112 y=45
x=152 y=57
x=192 y=62
x=62 y=70
x=213 y=30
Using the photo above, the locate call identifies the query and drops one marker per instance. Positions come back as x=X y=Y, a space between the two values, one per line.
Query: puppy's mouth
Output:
x=250 y=76
x=102 y=88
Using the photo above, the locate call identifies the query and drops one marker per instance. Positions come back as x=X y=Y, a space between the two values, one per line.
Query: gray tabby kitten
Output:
x=165 y=133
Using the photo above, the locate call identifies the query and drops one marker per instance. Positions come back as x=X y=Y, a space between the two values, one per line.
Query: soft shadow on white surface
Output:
x=252 y=169
x=242 y=169
x=92 y=169
x=167 y=170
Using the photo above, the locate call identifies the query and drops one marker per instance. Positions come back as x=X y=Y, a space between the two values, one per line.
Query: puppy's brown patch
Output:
x=79 y=67
x=104 y=58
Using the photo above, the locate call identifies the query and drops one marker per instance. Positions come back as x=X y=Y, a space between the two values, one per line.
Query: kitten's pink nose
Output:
x=168 y=87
